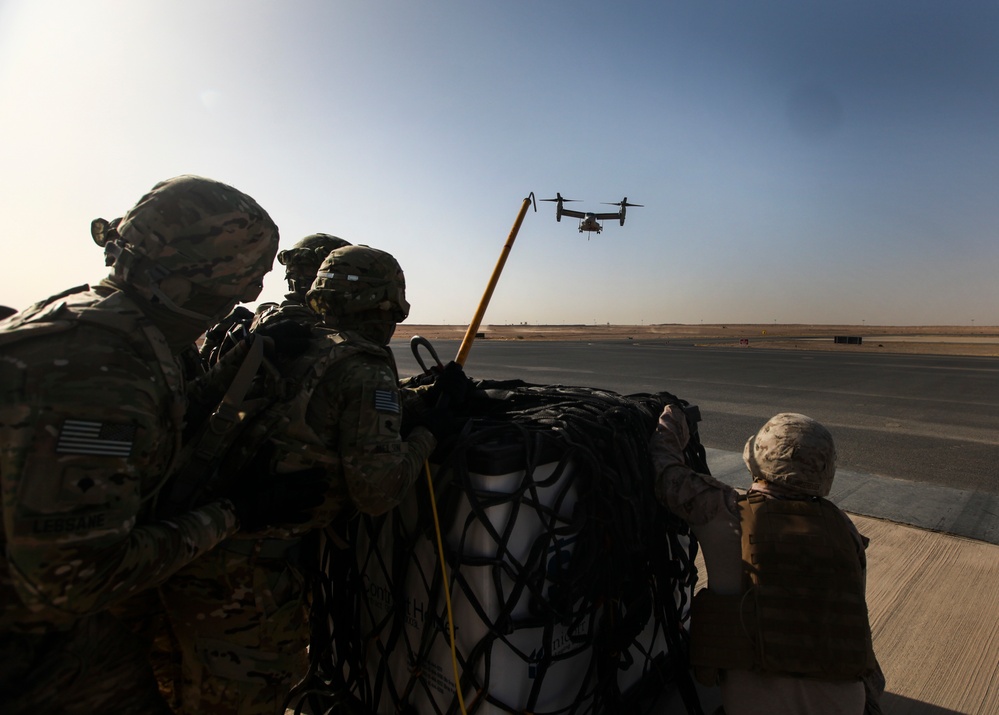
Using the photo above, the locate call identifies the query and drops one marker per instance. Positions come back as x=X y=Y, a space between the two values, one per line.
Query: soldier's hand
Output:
x=451 y=387
x=279 y=499
x=239 y=315
x=673 y=422
x=286 y=338
x=221 y=338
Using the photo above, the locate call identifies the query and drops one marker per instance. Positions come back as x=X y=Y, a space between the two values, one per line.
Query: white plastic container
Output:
x=513 y=535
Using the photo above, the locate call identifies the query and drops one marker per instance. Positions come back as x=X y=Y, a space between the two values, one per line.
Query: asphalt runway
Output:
x=931 y=422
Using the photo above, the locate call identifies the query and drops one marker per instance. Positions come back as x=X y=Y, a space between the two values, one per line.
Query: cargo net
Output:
x=570 y=584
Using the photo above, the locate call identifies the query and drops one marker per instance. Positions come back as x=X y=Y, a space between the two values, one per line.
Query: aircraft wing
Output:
x=574 y=214
x=616 y=214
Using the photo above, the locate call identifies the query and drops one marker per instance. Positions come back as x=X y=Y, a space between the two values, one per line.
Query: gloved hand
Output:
x=286 y=338
x=262 y=498
x=221 y=338
x=451 y=387
x=239 y=315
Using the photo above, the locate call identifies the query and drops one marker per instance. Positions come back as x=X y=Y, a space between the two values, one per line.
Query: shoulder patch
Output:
x=387 y=401
x=107 y=439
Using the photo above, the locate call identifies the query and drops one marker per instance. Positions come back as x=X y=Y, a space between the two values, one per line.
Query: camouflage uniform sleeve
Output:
x=412 y=398
x=87 y=438
x=860 y=541
x=695 y=498
x=378 y=466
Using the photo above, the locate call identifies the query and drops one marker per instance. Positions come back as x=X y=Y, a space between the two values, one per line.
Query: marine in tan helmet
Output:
x=782 y=626
x=342 y=414
x=92 y=404
x=792 y=452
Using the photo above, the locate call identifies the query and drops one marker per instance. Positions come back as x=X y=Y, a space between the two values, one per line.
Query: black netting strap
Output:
x=600 y=563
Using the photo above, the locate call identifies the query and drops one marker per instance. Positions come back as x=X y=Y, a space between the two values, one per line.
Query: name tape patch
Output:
x=65 y=524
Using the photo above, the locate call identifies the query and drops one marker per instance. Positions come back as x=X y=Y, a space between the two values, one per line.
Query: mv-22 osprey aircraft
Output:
x=588 y=221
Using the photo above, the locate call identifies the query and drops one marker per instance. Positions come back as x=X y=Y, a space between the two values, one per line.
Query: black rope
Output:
x=552 y=536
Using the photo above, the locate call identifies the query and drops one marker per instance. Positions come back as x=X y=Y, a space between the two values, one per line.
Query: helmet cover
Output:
x=301 y=262
x=795 y=451
x=358 y=279
x=212 y=234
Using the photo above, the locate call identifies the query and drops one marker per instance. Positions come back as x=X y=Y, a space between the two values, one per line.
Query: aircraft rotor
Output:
x=560 y=200
x=623 y=203
x=559 y=197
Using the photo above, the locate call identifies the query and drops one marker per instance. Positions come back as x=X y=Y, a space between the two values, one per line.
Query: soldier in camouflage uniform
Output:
x=240 y=613
x=92 y=403
x=301 y=263
x=782 y=625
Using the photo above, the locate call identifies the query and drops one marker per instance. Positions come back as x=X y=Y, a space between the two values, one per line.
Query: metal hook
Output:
x=415 y=342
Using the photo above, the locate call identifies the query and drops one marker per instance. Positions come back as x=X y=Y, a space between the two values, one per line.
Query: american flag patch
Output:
x=105 y=439
x=387 y=401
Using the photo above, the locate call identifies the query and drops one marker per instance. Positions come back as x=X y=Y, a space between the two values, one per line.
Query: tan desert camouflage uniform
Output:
x=240 y=612
x=91 y=407
x=713 y=511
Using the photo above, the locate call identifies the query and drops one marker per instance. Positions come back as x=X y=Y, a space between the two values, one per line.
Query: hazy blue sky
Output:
x=798 y=161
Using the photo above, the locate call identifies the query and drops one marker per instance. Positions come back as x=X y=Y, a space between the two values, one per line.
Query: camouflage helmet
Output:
x=301 y=262
x=359 y=279
x=214 y=236
x=794 y=451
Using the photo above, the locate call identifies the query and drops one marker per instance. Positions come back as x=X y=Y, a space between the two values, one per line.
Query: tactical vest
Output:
x=802 y=611
x=65 y=310
x=115 y=313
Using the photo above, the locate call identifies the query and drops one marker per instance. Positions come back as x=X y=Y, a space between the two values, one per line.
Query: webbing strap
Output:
x=226 y=415
x=203 y=453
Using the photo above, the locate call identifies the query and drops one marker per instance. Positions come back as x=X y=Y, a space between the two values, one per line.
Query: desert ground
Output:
x=974 y=340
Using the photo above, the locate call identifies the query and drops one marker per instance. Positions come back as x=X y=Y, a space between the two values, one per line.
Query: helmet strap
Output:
x=179 y=330
x=154 y=288
x=132 y=269
x=122 y=259
x=377 y=326
x=298 y=288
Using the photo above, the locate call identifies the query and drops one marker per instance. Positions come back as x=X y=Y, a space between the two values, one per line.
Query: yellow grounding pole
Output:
x=447 y=592
x=466 y=346
x=473 y=327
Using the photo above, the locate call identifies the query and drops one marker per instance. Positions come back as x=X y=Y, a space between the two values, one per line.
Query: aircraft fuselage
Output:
x=590 y=223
